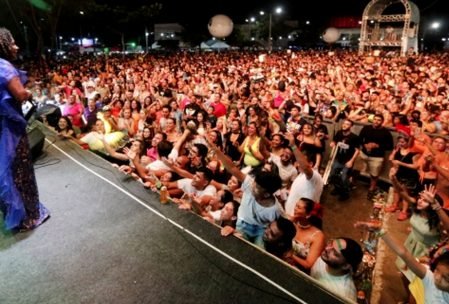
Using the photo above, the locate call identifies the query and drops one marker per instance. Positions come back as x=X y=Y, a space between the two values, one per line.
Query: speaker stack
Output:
x=36 y=138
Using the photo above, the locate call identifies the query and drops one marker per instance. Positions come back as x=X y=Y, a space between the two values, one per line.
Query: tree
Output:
x=193 y=34
x=38 y=15
x=122 y=20
x=43 y=18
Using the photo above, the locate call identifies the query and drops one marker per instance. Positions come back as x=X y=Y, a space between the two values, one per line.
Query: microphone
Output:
x=29 y=107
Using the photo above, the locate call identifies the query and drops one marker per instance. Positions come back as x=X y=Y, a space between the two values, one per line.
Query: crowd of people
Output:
x=241 y=140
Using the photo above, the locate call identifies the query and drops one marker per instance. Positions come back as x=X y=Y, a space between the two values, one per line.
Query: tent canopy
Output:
x=214 y=45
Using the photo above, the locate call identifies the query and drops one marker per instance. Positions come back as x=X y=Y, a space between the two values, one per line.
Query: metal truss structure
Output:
x=395 y=31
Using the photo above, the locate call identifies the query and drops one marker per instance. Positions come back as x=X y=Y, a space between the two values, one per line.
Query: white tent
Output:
x=205 y=46
x=214 y=45
x=155 y=46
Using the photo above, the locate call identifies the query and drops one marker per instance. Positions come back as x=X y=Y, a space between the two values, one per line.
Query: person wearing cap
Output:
x=90 y=91
x=110 y=125
x=334 y=268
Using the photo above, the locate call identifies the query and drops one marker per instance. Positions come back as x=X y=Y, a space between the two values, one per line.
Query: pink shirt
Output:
x=75 y=111
x=152 y=154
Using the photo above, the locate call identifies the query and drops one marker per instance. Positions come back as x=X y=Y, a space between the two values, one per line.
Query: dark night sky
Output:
x=238 y=10
x=195 y=15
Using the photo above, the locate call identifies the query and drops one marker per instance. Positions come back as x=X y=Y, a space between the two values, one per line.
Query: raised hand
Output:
x=291 y=139
x=227 y=230
x=130 y=153
x=428 y=195
x=167 y=162
x=208 y=141
x=371 y=226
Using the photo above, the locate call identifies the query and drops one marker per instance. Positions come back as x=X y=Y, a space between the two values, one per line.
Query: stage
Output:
x=109 y=240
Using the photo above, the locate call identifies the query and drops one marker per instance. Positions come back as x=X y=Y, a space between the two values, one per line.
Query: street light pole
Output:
x=434 y=26
x=278 y=10
x=81 y=24
x=146 y=40
x=270 y=43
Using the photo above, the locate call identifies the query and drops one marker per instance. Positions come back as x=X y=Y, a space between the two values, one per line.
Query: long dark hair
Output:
x=313 y=219
x=69 y=124
x=6 y=41
x=433 y=218
x=219 y=142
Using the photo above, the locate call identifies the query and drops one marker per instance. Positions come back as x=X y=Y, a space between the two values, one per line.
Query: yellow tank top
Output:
x=250 y=159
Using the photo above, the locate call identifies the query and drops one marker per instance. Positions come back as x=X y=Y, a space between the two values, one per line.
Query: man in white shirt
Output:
x=197 y=188
x=308 y=184
x=334 y=269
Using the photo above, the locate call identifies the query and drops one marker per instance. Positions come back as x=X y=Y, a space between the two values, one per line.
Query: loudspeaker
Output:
x=51 y=112
x=36 y=139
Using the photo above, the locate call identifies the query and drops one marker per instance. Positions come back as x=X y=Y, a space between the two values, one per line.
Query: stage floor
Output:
x=109 y=240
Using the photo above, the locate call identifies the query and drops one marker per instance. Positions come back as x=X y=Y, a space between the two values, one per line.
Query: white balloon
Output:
x=220 y=26
x=331 y=35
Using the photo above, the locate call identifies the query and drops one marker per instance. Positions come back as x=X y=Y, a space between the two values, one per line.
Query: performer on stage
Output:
x=19 y=197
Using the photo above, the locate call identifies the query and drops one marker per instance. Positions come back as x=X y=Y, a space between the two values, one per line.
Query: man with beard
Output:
x=347 y=144
x=375 y=140
x=334 y=268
